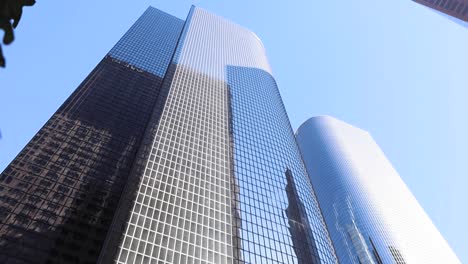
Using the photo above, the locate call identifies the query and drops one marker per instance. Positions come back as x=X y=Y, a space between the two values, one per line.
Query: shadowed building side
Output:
x=59 y=196
x=454 y=8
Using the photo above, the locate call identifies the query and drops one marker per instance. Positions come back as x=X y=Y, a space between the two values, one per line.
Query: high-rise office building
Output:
x=371 y=214
x=175 y=149
x=454 y=8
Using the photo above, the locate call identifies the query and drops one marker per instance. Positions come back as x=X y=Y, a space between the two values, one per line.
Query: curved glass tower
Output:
x=371 y=214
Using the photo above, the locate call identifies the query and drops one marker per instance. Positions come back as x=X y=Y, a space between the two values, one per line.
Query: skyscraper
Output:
x=371 y=215
x=175 y=149
x=454 y=8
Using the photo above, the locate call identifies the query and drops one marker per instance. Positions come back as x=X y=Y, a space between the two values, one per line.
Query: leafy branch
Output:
x=10 y=16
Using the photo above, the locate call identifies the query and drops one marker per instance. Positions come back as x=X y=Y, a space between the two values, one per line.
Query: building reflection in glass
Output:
x=351 y=234
x=299 y=226
x=274 y=206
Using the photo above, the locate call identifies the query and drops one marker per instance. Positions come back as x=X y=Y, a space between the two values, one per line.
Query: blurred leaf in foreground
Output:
x=10 y=11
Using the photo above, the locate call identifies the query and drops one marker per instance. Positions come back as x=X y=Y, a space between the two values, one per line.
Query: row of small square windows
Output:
x=174 y=257
x=159 y=236
x=188 y=176
x=192 y=176
x=192 y=154
x=189 y=232
x=194 y=119
x=188 y=198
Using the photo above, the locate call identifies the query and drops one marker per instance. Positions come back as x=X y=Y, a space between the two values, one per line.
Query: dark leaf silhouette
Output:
x=10 y=11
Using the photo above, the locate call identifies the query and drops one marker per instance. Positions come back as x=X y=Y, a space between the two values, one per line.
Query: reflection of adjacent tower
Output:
x=299 y=225
x=397 y=255
x=371 y=215
x=346 y=224
x=359 y=244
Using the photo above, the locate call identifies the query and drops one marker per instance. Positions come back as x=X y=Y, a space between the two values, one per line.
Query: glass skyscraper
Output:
x=371 y=214
x=175 y=149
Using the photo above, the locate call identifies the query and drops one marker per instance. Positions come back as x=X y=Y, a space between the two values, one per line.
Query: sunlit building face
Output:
x=371 y=214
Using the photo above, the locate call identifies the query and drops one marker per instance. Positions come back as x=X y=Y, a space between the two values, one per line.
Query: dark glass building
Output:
x=175 y=149
x=371 y=214
x=454 y=8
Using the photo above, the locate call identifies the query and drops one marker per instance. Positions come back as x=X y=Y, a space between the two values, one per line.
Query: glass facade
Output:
x=150 y=42
x=214 y=189
x=59 y=196
x=279 y=220
x=175 y=149
x=371 y=215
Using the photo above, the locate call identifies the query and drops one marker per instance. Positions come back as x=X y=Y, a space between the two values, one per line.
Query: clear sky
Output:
x=394 y=68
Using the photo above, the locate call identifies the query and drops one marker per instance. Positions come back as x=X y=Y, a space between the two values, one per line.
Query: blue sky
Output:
x=394 y=68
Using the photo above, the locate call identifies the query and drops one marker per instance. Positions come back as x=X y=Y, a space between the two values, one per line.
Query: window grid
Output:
x=192 y=131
